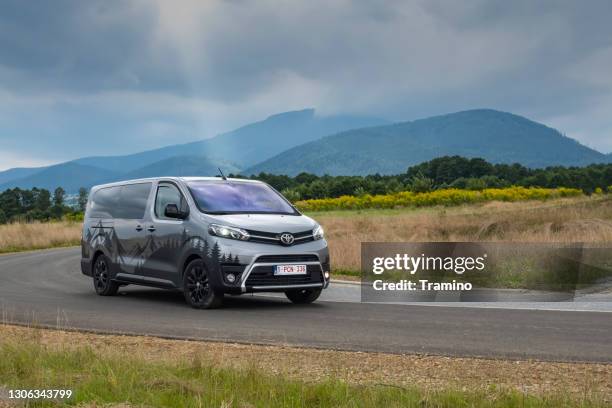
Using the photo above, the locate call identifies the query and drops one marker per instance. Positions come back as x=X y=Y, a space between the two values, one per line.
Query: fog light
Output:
x=231 y=278
x=326 y=275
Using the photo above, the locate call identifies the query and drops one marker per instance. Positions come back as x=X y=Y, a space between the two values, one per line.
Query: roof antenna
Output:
x=222 y=175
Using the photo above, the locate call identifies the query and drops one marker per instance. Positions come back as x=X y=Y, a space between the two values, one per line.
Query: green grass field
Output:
x=121 y=378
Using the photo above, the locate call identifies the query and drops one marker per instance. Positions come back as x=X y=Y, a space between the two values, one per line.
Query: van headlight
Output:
x=224 y=231
x=318 y=233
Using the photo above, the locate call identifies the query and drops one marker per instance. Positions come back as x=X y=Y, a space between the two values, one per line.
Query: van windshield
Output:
x=235 y=197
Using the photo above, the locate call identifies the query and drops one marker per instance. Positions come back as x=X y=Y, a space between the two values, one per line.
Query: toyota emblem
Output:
x=287 y=238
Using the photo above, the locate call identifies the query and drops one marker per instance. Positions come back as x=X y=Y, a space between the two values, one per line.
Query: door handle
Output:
x=139 y=228
x=151 y=228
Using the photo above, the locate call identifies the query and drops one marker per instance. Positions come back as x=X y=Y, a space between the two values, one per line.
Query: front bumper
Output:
x=257 y=263
x=317 y=277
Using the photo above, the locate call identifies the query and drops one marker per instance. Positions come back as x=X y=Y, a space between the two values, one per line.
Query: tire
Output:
x=303 y=296
x=103 y=284
x=196 y=287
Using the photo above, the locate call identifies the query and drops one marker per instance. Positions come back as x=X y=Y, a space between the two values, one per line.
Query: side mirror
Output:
x=172 y=211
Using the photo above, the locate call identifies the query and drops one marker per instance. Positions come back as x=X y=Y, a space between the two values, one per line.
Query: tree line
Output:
x=38 y=204
x=441 y=173
x=444 y=172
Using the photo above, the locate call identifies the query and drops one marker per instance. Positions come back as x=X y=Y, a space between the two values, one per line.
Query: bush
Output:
x=74 y=217
x=421 y=184
x=476 y=184
x=291 y=194
x=360 y=192
x=445 y=197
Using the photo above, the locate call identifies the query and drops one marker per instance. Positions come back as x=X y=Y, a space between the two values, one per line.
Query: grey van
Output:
x=205 y=236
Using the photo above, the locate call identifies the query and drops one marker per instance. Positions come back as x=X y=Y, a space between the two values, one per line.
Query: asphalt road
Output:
x=47 y=288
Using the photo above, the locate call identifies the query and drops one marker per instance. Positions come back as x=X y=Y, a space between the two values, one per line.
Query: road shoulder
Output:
x=407 y=370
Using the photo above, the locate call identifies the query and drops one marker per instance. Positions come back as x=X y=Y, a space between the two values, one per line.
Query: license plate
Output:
x=290 y=270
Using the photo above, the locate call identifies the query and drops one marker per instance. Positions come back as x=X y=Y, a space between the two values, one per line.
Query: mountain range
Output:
x=495 y=136
x=293 y=142
x=232 y=152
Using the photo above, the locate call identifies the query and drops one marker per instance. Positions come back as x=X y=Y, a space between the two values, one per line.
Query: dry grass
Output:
x=38 y=235
x=584 y=219
x=428 y=373
x=587 y=219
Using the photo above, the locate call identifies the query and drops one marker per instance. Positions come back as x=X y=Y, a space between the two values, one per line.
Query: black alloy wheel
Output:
x=101 y=278
x=197 y=289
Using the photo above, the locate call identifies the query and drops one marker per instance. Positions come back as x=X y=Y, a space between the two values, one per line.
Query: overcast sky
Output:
x=103 y=77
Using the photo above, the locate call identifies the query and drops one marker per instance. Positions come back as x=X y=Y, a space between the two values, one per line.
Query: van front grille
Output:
x=287 y=258
x=274 y=238
x=264 y=276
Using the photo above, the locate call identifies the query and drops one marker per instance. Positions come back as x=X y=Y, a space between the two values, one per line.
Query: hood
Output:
x=275 y=223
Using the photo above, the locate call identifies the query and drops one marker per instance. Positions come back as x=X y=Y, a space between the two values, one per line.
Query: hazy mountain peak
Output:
x=496 y=136
x=302 y=114
x=233 y=150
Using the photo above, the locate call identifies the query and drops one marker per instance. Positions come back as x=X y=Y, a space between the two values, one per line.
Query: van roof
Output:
x=170 y=178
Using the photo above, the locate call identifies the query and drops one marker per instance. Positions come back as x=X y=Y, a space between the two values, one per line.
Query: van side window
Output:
x=133 y=201
x=167 y=193
x=104 y=203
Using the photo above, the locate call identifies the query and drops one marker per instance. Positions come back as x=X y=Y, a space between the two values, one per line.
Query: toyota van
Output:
x=203 y=236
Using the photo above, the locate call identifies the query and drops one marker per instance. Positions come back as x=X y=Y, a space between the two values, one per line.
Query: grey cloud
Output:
x=79 y=46
x=118 y=64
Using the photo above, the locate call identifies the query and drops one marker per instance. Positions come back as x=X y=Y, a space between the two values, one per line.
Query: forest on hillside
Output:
x=442 y=173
